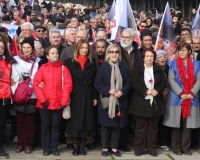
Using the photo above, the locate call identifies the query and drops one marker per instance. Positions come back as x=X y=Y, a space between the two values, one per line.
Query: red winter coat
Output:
x=51 y=74
x=5 y=71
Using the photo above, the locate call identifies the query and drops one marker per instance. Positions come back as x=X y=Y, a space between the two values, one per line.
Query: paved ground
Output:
x=65 y=154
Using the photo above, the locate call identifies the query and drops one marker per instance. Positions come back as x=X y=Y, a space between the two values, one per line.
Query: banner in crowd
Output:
x=122 y=17
x=11 y=29
x=196 y=24
x=166 y=39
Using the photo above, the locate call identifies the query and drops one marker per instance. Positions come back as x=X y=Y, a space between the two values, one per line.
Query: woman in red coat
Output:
x=52 y=98
x=5 y=91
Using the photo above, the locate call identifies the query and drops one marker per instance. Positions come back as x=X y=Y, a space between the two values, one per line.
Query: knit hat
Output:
x=30 y=41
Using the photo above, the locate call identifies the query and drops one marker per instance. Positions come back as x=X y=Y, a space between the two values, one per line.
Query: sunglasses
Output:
x=39 y=30
x=117 y=51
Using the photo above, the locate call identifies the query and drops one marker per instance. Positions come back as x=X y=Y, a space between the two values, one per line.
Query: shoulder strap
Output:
x=32 y=68
x=62 y=77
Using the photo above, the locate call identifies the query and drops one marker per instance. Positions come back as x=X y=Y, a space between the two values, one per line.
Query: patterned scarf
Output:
x=116 y=83
x=188 y=81
x=27 y=58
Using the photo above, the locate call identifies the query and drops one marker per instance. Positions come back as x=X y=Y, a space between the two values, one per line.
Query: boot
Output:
x=82 y=144
x=75 y=146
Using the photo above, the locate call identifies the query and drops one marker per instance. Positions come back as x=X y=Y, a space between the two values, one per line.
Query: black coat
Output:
x=82 y=113
x=139 y=106
x=102 y=84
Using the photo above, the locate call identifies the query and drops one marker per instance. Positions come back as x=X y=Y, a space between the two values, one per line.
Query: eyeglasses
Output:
x=2 y=47
x=41 y=48
x=196 y=43
x=125 y=37
x=26 y=30
x=117 y=51
x=161 y=57
x=33 y=15
x=144 y=26
x=39 y=30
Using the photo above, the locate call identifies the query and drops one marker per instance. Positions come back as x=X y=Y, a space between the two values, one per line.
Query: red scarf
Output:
x=82 y=61
x=188 y=83
x=27 y=58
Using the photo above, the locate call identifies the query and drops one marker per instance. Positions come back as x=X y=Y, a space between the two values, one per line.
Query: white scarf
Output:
x=149 y=81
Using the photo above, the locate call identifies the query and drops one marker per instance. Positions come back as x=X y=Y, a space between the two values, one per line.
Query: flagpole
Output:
x=160 y=26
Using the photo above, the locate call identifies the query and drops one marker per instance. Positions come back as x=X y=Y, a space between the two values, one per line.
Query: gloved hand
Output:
x=45 y=104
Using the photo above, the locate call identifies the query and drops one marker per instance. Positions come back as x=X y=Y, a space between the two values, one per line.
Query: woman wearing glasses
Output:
x=112 y=81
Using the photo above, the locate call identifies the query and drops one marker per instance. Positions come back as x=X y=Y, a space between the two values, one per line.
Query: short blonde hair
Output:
x=108 y=50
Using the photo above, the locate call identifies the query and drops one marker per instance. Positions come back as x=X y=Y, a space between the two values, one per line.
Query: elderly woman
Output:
x=5 y=91
x=26 y=113
x=147 y=102
x=183 y=111
x=163 y=131
x=112 y=81
x=83 y=98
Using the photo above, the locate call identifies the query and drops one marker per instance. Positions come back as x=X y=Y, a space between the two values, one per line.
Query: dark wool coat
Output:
x=83 y=93
x=102 y=84
x=139 y=106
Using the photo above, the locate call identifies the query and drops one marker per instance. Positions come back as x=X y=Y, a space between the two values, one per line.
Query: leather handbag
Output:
x=23 y=92
x=67 y=110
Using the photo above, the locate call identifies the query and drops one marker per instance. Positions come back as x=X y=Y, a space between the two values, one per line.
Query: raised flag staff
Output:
x=166 y=39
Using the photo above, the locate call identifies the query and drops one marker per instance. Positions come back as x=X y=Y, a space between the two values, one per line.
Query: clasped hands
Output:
x=115 y=93
x=186 y=96
x=152 y=92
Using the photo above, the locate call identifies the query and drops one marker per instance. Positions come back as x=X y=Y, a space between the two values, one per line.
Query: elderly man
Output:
x=69 y=51
x=93 y=26
x=131 y=55
x=27 y=29
x=70 y=35
x=55 y=40
x=101 y=34
x=196 y=46
x=39 y=31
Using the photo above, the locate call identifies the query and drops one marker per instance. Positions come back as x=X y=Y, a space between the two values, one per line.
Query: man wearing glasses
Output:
x=131 y=55
x=27 y=29
x=39 y=30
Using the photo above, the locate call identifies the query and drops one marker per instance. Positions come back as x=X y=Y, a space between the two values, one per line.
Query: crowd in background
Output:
x=113 y=89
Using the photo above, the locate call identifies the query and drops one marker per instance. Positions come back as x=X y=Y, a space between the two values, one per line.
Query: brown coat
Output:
x=139 y=106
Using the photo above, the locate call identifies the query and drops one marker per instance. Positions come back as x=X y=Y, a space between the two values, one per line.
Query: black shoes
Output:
x=2 y=152
x=55 y=153
x=104 y=153
x=124 y=148
x=28 y=150
x=19 y=149
x=46 y=153
x=117 y=153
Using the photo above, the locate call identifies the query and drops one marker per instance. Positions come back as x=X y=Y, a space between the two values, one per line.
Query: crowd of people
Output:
x=113 y=89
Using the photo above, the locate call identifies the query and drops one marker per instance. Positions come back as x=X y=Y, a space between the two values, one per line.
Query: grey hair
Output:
x=28 y=24
x=91 y=19
x=67 y=30
x=53 y=30
x=98 y=15
x=130 y=30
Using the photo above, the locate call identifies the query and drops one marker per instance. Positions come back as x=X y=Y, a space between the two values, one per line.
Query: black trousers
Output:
x=146 y=131
x=3 y=118
x=181 y=137
x=109 y=137
x=50 y=128
x=163 y=133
